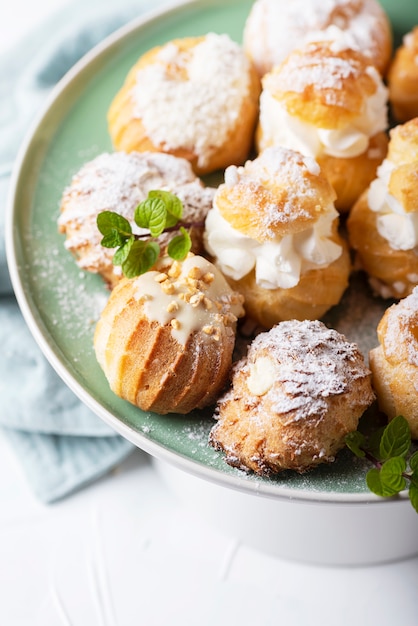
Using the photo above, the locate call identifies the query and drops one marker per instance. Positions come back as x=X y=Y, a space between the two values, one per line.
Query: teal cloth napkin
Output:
x=61 y=444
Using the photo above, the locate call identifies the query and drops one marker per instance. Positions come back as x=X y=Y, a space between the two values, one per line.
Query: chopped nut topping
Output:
x=160 y=278
x=175 y=324
x=195 y=272
x=208 y=330
x=231 y=318
x=192 y=282
x=196 y=299
x=175 y=270
x=173 y=306
x=208 y=278
x=144 y=298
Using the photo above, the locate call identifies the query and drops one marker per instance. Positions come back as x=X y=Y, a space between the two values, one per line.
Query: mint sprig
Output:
x=136 y=254
x=395 y=465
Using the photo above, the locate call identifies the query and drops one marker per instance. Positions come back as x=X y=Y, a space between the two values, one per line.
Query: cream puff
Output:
x=274 y=28
x=273 y=232
x=196 y=98
x=328 y=102
x=119 y=182
x=301 y=388
x=394 y=363
x=165 y=339
x=403 y=78
x=383 y=224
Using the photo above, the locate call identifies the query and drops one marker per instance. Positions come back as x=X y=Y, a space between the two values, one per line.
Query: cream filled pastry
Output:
x=394 y=363
x=301 y=388
x=383 y=225
x=273 y=232
x=403 y=78
x=328 y=102
x=165 y=339
x=119 y=182
x=276 y=27
x=195 y=98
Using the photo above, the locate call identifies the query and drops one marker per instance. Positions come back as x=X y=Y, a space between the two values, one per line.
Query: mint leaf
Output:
x=123 y=251
x=413 y=462
x=151 y=214
x=396 y=438
x=391 y=475
x=379 y=486
x=355 y=441
x=115 y=228
x=374 y=483
x=387 y=481
x=141 y=258
x=413 y=495
x=173 y=206
x=179 y=246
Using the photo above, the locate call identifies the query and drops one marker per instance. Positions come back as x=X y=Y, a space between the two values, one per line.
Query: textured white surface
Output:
x=124 y=552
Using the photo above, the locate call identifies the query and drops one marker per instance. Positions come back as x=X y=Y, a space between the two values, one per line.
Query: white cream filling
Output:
x=278 y=263
x=282 y=129
x=263 y=373
x=400 y=229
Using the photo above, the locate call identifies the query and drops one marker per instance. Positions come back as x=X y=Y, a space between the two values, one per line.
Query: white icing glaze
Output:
x=187 y=301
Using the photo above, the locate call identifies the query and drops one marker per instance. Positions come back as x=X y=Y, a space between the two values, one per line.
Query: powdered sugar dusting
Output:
x=285 y=25
x=278 y=166
x=193 y=99
x=314 y=363
x=119 y=182
x=402 y=328
x=301 y=71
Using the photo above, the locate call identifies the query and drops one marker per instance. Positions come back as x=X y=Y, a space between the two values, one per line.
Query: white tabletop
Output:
x=125 y=552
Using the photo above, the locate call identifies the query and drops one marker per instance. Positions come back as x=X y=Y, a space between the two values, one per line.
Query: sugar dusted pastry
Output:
x=394 y=363
x=195 y=98
x=165 y=340
x=299 y=391
x=328 y=102
x=383 y=224
x=403 y=78
x=273 y=232
x=119 y=182
x=276 y=27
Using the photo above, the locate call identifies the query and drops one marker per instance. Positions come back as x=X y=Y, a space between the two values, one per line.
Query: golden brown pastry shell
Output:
x=403 y=79
x=246 y=205
x=394 y=273
x=292 y=29
x=317 y=291
x=146 y=366
x=394 y=377
x=351 y=176
x=128 y=133
x=258 y=433
x=322 y=105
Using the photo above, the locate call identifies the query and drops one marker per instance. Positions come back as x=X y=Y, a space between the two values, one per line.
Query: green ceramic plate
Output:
x=61 y=304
